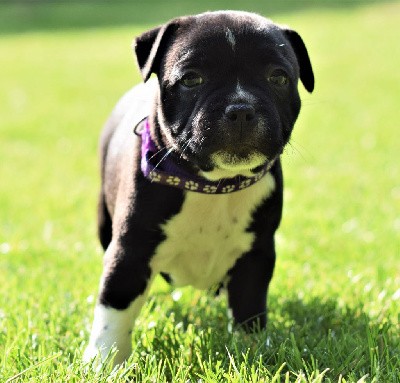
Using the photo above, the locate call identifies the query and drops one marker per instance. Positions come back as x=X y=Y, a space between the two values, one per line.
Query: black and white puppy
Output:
x=196 y=193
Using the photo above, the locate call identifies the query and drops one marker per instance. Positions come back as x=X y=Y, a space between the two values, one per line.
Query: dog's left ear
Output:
x=150 y=46
x=306 y=72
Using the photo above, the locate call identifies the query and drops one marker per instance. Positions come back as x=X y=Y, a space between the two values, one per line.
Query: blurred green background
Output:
x=33 y=15
x=64 y=64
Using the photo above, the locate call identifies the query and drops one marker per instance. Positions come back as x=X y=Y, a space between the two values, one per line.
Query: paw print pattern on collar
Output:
x=168 y=173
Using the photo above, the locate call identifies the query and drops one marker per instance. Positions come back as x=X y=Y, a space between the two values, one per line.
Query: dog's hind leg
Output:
x=104 y=222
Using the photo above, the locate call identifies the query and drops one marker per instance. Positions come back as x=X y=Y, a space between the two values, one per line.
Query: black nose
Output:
x=240 y=112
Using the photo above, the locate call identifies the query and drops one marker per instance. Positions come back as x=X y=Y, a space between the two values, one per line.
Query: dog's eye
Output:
x=279 y=78
x=191 y=79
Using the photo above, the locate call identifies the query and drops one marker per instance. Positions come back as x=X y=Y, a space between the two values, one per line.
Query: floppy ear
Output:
x=306 y=72
x=150 y=46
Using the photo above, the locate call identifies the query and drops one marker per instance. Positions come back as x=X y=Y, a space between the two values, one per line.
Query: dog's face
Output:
x=228 y=95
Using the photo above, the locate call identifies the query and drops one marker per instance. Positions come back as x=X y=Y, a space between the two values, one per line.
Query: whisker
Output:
x=200 y=142
x=186 y=146
x=164 y=157
x=295 y=148
x=158 y=152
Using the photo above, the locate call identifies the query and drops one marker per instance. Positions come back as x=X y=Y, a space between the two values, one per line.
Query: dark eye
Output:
x=279 y=78
x=191 y=79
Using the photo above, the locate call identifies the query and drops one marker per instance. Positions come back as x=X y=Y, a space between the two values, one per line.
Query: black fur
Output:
x=214 y=116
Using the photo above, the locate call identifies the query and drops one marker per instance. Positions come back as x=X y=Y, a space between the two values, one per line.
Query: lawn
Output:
x=335 y=297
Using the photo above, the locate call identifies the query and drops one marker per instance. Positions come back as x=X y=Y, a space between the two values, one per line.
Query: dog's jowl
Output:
x=191 y=173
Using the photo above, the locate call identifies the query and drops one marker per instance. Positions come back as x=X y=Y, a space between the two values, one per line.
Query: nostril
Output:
x=240 y=112
x=250 y=116
x=232 y=116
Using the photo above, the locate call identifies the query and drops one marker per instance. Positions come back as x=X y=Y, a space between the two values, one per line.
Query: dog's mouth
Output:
x=238 y=161
x=215 y=160
x=227 y=165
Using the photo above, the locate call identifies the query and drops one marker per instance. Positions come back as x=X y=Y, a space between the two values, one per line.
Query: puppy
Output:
x=196 y=193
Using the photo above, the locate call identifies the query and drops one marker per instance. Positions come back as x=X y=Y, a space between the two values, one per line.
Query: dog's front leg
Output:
x=248 y=286
x=124 y=285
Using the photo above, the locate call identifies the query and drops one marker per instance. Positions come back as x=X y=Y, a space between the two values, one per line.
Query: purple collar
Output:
x=166 y=172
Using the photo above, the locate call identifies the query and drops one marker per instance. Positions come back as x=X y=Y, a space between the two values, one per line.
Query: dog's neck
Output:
x=159 y=166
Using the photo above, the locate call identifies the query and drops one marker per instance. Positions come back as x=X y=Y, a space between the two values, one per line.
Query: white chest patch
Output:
x=204 y=240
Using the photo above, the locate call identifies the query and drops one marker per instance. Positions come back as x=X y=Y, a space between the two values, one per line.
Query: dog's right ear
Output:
x=149 y=48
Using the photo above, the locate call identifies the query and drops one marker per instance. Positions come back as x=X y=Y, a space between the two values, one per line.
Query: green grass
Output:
x=335 y=297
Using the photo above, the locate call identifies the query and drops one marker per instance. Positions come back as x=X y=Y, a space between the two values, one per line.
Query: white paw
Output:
x=110 y=338
x=104 y=354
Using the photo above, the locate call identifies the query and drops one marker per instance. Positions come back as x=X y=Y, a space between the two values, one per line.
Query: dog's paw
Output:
x=97 y=357
x=97 y=361
x=91 y=354
x=110 y=338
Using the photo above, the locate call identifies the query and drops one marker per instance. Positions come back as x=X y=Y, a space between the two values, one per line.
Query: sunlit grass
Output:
x=334 y=300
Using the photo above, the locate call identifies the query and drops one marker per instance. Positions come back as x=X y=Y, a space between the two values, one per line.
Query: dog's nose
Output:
x=240 y=113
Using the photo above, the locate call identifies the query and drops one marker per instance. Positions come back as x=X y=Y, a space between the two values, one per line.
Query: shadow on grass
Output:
x=18 y=16
x=306 y=336
x=342 y=338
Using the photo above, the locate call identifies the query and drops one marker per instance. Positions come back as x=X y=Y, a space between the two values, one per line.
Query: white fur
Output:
x=242 y=95
x=112 y=329
x=230 y=38
x=230 y=162
x=176 y=70
x=202 y=243
x=219 y=173
x=208 y=235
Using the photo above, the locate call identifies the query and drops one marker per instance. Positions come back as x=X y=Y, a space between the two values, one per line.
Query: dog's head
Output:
x=228 y=95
